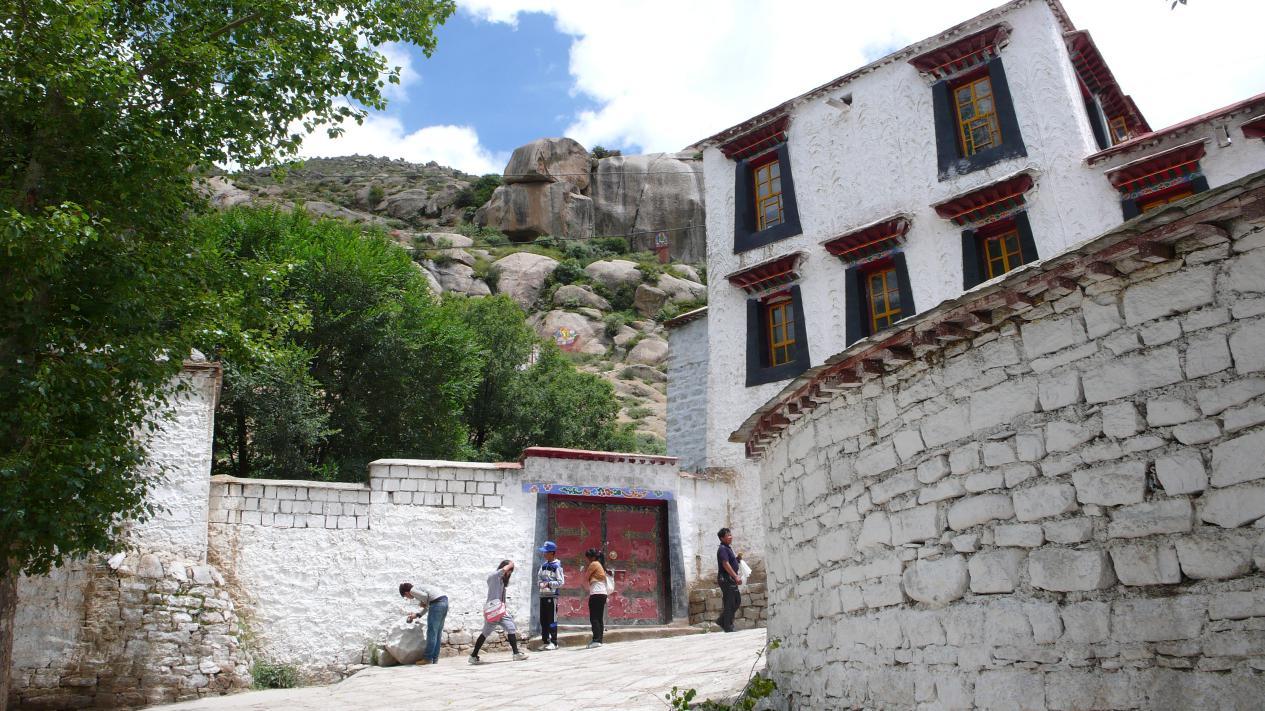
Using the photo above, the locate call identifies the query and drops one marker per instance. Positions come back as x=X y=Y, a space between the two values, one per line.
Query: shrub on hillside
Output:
x=568 y=271
x=610 y=245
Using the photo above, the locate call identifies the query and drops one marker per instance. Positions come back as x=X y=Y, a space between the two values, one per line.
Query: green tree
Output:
x=506 y=342
x=556 y=405
x=270 y=421
x=335 y=352
x=104 y=107
x=480 y=191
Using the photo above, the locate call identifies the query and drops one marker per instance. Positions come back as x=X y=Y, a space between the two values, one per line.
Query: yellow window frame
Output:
x=1119 y=130
x=1002 y=252
x=768 y=194
x=780 y=319
x=1164 y=199
x=981 y=105
x=881 y=286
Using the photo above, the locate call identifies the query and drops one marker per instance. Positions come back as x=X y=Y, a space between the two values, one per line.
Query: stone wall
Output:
x=687 y=393
x=152 y=625
x=706 y=605
x=1060 y=506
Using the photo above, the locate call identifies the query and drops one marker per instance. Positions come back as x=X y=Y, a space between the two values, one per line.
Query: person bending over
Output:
x=435 y=604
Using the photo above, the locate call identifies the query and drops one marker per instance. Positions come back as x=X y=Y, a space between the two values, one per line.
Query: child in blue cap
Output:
x=549 y=580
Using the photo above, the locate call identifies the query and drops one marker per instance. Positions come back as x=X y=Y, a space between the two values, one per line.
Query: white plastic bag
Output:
x=744 y=571
x=610 y=582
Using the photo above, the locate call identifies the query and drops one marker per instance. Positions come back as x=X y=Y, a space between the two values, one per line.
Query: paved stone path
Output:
x=624 y=676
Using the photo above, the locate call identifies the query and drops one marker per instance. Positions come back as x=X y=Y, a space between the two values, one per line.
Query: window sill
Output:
x=786 y=371
x=767 y=236
x=983 y=159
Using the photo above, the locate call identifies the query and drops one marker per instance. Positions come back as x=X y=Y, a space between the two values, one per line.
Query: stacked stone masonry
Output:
x=706 y=605
x=150 y=629
x=1065 y=510
x=305 y=504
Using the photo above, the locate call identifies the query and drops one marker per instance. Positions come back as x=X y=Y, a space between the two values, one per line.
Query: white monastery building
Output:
x=983 y=339
x=1001 y=141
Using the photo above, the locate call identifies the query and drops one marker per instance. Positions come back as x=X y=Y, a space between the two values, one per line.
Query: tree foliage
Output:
x=335 y=352
x=104 y=108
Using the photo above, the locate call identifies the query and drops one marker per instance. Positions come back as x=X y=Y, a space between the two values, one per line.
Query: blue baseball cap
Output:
x=549 y=547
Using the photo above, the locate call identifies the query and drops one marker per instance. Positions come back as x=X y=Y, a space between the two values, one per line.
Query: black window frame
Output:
x=1098 y=121
x=759 y=372
x=950 y=161
x=974 y=271
x=746 y=236
x=856 y=303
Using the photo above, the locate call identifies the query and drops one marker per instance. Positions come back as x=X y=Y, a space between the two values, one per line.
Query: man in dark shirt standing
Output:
x=727 y=577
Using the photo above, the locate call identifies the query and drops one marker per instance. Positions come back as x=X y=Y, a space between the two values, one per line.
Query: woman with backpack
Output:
x=596 y=577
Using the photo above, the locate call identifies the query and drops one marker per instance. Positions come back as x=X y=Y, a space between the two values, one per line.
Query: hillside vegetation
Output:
x=596 y=302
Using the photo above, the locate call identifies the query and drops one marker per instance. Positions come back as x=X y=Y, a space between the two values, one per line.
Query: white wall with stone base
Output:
x=315 y=567
x=150 y=625
x=1064 y=510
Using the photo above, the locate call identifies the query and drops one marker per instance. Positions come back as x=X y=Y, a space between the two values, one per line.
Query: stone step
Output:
x=579 y=635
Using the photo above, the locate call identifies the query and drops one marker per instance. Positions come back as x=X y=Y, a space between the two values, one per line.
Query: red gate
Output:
x=634 y=537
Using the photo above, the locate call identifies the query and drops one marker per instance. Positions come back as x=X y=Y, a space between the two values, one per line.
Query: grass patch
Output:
x=267 y=675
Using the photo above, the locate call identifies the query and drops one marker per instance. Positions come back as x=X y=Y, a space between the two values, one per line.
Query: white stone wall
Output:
x=1064 y=513
x=155 y=624
x=318 y=589
x=180 y=463
x=315 y=566
x=687 y=394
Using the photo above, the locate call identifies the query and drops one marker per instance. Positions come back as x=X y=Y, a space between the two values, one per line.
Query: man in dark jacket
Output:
x=727 y=578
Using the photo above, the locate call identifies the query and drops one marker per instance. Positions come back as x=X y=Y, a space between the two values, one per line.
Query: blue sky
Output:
x=509 y=81
x=657 y=75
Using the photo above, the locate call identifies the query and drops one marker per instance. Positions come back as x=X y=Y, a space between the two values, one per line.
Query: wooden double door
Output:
x=633 y=535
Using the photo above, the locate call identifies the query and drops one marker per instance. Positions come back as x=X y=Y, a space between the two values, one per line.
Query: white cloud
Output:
x=397 y=55
x=665 y=73
x=384 y=135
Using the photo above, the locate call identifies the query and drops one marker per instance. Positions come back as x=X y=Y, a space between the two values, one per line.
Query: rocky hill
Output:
x=578 y=261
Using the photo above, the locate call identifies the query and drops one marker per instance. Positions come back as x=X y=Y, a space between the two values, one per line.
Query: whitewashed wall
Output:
x=1064 y=511
x=154 y=625
x=315 y=566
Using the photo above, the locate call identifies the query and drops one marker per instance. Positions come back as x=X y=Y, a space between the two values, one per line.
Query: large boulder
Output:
x=647 y=194
x=650 y=351
x=614 y=273
x=525 y=211
x=680 y=289
x=415 y=204
x=431 y=282
x=522 y=275
x=648 y=300
x=318 y=208
x=450 y=239
x=574 y=295
x=548 y=160
x=222 y=193
x=690 y=272
x=406 y=642
x=460 y=278
x=572 y=332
